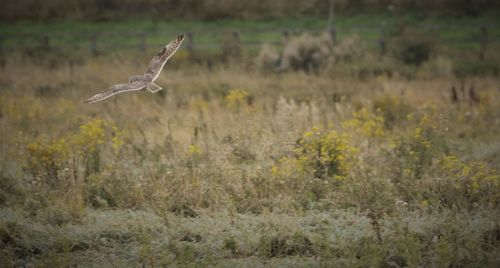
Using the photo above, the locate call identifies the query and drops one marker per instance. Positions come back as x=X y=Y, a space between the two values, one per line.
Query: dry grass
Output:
x=250 y=168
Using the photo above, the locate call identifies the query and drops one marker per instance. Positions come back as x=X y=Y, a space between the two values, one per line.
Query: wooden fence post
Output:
x=483 y=42
x=45 y=42
x=236 y=36
x=286 y=37
x=2 y=58
x=231 y=45
x=142 y=41
x=333 y=34
x=190 y=42
x=236 y=46
x=381 y=41
x=331 y=24
x=93 y=44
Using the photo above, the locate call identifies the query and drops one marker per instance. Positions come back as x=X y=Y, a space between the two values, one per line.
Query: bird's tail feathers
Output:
x=153 y=88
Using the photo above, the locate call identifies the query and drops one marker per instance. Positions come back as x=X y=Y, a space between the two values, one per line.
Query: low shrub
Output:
x=412 y=47
x=58 y=161
x=393 y=110
x=307 y=53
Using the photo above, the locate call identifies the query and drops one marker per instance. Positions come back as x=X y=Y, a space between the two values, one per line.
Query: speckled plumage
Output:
x=145 y=81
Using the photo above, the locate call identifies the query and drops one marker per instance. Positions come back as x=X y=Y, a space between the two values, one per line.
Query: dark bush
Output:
x=413 y=48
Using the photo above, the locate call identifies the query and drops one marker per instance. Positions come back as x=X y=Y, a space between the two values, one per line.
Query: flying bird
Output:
x=145 y=81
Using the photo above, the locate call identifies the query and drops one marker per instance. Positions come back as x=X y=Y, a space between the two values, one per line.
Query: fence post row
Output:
x=43 y=41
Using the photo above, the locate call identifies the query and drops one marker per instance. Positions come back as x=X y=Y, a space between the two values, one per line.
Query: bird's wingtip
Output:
x=89 y=100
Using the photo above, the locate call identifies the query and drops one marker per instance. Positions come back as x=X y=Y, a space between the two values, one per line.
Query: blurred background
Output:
x=258 y=33
x=226 y=9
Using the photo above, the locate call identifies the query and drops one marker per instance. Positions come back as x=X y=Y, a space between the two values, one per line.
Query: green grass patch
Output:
x=461 y=31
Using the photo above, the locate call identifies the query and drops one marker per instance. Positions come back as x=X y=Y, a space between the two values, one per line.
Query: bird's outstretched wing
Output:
x=159 y=60
x=115 y=89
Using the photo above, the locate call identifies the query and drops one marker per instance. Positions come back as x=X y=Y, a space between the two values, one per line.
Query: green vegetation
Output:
x=461 y=32
x=234 y=167
x=309 y=152
x=347 y=21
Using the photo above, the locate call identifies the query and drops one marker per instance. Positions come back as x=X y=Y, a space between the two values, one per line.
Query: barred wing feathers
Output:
x=157 y=63
x=116 y=89
x=139 y=82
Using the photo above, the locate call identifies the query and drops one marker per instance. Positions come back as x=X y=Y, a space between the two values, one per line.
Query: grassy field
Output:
x=461 y=32
x=351 y=165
